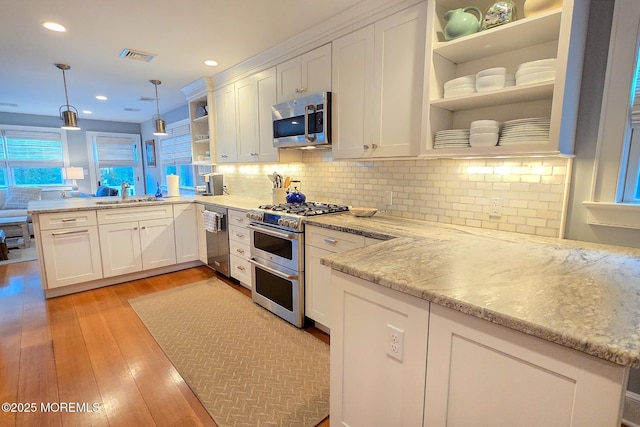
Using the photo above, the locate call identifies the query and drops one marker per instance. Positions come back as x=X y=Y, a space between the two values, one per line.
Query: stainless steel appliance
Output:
x=213 y=185
x=303 y=122
x=277 y=256
x=218 y=240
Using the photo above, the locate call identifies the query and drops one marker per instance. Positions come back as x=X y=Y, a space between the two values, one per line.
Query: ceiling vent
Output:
x=138 y=55
x=147 y=99
x=131 y=109
x=11 y=104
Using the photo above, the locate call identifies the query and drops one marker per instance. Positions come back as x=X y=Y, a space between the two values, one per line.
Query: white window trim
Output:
x=605 y=207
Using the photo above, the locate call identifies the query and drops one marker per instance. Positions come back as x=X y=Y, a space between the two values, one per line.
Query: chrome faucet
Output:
x=123 y=190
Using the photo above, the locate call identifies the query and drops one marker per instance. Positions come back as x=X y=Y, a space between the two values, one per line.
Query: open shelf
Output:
x=507 y=95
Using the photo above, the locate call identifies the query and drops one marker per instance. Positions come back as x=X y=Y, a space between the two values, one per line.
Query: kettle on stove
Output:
x=295 y=196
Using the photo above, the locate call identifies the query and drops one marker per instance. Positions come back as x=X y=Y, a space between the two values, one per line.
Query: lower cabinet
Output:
x=71 y=255
x=400 y=360
x=376 y=379
x=185 y=225
x=129 y=245
x=321 y=242
x=480 y=373
x=239 y=247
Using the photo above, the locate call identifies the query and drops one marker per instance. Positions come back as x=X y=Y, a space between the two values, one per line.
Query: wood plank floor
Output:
x=90 y=348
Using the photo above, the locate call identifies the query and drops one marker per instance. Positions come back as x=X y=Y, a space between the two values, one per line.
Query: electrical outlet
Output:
x=495 y=207
x=395 y=342
x=388 y=198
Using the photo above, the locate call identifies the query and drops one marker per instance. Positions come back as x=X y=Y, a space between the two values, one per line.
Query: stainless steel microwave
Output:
x=303 y=122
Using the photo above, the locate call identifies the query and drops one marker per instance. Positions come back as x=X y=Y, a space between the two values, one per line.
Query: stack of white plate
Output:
x=525 y=131
x=460 y=86
x=454 y=138
x=484 y=133
x=539 y=71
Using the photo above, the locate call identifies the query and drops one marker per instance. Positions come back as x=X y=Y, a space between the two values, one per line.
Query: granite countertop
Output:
x=70 y=204
x=580 y=295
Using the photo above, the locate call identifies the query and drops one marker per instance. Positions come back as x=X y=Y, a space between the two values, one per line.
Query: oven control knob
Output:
x=281 y=221
x=293 y=223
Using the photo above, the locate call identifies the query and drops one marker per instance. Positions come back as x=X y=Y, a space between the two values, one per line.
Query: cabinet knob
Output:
x=374 y=146
x=135 y=228
x=365 y=147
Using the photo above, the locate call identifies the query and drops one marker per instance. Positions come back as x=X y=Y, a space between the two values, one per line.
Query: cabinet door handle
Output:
x=240 y=251
x=135 y=228
x=374 y=146
x=239 y=267
x=240 y=220
x=240 y=235
x=365 y=147
x=143 y=228
x=60 y=233
x=330 y=241
x=69 y=219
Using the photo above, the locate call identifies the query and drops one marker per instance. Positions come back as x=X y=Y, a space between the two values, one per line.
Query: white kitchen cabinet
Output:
x=136 y=239
x=239 y=247
x=321 y=242
x=369 y=386
x=558 y=33
x=202 y=235
x=305 y=75
x=483 y=374
x=224 y=107
x=71 y=248
x=185 y=225
x=378 y=75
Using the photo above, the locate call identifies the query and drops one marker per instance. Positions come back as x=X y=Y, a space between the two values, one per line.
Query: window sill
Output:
x=623 y=215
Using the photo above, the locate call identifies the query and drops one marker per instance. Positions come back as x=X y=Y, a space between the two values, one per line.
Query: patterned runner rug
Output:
x=247 y=366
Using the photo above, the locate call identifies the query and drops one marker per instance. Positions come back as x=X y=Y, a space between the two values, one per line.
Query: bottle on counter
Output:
x=158 y=191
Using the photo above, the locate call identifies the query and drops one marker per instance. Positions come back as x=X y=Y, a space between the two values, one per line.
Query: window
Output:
x=614 y=194
x=631 y=179
x=175 y=154
x=32 y=156
x=117 y=160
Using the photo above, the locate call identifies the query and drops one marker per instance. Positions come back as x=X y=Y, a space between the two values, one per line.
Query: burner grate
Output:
x=306 y=209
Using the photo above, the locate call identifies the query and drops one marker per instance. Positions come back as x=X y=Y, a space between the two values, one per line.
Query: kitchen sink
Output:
x=128 y=201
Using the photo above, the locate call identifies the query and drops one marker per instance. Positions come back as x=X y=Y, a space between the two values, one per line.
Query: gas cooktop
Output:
x=288 y=216
x=305 y=209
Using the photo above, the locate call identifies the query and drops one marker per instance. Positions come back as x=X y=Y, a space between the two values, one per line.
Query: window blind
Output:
x=175 y=148
x=635 y=110
x=115 y=151
x=26 y=147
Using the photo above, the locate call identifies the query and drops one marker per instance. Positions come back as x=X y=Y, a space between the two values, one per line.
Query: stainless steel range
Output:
x=277 y=256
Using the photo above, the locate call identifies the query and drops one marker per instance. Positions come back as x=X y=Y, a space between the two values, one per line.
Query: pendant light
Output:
x=70 y=115
x=159 y=126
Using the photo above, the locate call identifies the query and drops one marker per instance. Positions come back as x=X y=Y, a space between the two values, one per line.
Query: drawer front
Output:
x=238 y=218
x=53 y=221
x=332 y=240
x=239 y=249
x=139 y=213
x=241 y=270
x=239 y=234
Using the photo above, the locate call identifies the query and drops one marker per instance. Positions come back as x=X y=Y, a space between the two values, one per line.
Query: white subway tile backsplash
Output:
x=454 y=191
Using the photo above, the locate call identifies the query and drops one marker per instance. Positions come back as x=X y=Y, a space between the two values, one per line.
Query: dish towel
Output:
x=212 y=221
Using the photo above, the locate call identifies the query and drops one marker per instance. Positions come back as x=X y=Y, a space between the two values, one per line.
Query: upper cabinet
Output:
x=224 y=113
x=199 y=99
x=304 y=75
x=557 y=33
x=378 y=75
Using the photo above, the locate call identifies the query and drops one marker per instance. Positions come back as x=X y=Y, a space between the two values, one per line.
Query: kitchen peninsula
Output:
x=501 y=328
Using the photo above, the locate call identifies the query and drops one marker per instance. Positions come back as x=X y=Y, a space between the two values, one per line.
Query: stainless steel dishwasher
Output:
x=218 y=241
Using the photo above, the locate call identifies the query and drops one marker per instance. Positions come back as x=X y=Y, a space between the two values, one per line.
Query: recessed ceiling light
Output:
x=211 y=63
x=101 y=98
x=54 y=26
x=86 y=112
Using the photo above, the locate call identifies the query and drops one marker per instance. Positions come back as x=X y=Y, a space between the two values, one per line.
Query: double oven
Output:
x=277 y=256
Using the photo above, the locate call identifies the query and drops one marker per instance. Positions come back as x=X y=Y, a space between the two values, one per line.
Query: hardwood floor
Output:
x=90 y=348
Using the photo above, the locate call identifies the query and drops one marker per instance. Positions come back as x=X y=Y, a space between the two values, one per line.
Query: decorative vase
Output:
x=461 y=23
x=534 y=7
x=499 y=13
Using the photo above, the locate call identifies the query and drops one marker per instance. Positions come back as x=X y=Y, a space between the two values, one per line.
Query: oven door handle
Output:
x=270 y=232
x=273 y=270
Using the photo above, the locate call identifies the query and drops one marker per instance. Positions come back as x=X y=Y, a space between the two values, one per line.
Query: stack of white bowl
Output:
x=491 y=79
x=460 y=86
x=484 y=133
x=539 y=71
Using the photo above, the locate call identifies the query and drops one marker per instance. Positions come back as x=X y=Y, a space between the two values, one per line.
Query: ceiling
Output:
x=181 y=35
